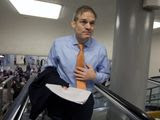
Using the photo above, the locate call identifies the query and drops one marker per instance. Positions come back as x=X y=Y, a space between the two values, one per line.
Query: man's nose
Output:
x=88 y=25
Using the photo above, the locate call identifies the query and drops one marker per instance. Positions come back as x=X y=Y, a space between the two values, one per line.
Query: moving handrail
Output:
x=155 y=77
x=15 y=111
x=127 y=107
x=154 y=81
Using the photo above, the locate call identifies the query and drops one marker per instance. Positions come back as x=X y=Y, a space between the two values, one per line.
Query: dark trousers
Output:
x=60 y=109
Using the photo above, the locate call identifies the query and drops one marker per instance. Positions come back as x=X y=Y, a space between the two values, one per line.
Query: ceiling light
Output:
x=1 y=56
x=156 y=25
x=37 y=8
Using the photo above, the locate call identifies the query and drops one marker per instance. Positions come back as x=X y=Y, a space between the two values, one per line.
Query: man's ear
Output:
x=73 y=24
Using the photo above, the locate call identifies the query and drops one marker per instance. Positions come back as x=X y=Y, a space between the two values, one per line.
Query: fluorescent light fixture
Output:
x=156 y=25
x=37 y=8
x=1 y=56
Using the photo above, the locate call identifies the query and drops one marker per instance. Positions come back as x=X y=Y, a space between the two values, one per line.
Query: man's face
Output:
x=84 y=26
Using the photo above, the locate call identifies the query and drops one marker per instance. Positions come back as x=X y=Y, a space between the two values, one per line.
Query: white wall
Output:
x=155 y=55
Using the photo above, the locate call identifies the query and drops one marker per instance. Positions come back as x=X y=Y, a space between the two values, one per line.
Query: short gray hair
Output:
x=83 y=9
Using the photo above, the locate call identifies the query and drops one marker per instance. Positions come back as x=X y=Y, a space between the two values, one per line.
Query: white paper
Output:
x=76 y=95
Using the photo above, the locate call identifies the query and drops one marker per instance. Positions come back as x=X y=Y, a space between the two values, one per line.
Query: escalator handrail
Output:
x=153 y=80
x=158 y=86
x=2 y=84
x=23 y=108
x=153 y=77
x=130 y=107
x=18 y=103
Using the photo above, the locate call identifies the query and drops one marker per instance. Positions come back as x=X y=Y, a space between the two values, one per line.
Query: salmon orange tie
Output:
x=80 y=63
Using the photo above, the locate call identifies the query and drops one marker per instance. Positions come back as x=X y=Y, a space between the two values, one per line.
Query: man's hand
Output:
x=86 y=73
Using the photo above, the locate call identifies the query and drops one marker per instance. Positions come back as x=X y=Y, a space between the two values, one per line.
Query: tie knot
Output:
x=81 y=46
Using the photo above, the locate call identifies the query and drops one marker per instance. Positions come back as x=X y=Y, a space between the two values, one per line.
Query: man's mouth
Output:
x=87 y=33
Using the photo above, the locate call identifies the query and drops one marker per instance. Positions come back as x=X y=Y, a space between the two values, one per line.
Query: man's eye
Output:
x=83 y=22
x=92 y=23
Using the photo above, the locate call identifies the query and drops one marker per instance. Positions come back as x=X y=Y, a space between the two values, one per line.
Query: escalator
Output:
x=119 y=109
x=153 y=97
x=108 y=106
x=153 y=93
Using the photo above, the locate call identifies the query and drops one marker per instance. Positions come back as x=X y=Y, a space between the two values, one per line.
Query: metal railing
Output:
x=5 y=94
x=16 y=109
x=153 y=96
x=129 y=110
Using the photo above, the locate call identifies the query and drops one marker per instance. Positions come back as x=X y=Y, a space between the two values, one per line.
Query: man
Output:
x=63 y=56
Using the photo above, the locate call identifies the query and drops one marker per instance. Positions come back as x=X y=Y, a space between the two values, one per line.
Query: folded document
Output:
x=76 y=95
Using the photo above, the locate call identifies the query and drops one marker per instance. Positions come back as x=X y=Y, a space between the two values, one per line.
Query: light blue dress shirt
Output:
x=63 y=54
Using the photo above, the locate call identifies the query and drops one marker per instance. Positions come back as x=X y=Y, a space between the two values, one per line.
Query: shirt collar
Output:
x=87 y=43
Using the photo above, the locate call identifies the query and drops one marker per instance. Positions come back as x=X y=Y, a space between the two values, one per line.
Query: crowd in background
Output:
x=20 y=67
